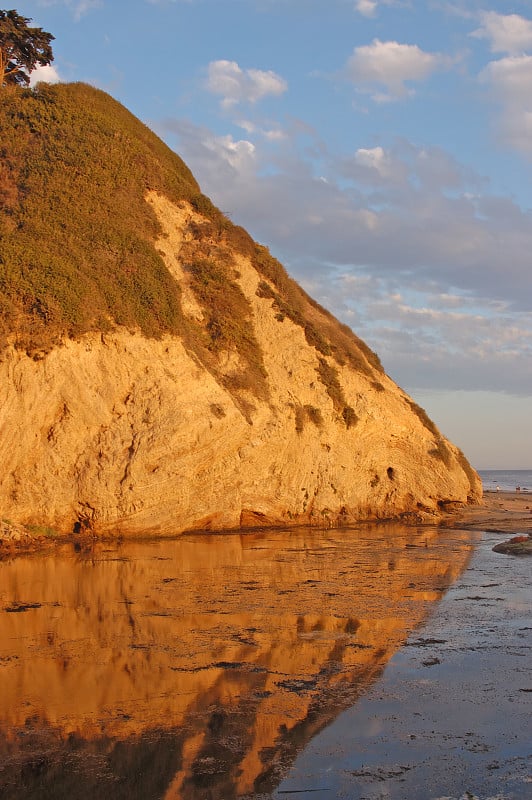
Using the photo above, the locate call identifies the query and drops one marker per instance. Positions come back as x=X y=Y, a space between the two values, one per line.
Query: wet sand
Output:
x=201 y=667
x=501 y=512
x=451 y=716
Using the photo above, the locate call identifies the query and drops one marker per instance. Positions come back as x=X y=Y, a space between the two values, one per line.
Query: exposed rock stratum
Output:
x=278 y=416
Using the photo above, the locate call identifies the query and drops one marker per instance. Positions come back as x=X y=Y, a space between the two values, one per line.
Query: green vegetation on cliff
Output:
x=77 y=250
x=78 y=243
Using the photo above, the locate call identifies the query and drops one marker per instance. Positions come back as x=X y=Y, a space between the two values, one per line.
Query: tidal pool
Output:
x=451 y=717
x=200 y=667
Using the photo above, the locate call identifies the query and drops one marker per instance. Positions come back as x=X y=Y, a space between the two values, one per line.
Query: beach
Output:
x=450 y=717
x=386 y=660
x=499 y=512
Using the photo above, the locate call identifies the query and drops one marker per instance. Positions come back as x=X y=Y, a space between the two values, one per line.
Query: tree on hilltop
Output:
x=21 y=49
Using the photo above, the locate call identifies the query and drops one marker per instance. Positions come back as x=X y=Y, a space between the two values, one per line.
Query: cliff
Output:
x=160 y=371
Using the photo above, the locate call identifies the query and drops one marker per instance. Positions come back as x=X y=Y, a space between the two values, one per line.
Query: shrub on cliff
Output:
x=77 y=239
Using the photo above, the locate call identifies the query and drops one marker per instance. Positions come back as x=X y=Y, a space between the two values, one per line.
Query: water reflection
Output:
x=199 y=668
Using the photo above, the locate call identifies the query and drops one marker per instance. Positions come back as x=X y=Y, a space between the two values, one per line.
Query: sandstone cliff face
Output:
x=134 y=435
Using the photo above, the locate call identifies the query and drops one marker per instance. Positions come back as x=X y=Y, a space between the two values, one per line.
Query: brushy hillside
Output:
x=76 y=235
x=77 y=242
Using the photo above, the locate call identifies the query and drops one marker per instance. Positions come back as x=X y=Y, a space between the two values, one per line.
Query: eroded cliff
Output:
x=135 y=435
x=241 y=403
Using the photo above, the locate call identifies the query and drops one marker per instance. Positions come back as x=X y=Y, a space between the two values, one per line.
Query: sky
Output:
x=382 y=150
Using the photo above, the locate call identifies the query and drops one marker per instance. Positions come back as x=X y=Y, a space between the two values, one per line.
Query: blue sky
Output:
x=382 y=149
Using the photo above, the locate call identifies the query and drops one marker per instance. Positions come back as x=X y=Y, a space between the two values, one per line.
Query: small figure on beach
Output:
x=517 y=488
x=498 y=488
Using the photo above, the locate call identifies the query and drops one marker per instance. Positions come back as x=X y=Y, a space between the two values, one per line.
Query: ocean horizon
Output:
x=508 y=480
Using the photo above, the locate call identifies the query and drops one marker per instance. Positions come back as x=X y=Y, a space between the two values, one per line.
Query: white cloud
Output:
x=375 y=159
x=473 y=349
x=402 y=243
x=430 y=169
x=274 y=133
x=238 y=154
x=390 y=65
x=509 y=33
x=369 y=8
x=403 y=211
x=232 y=161
x=366 y=7
x=48 y=74
x=236 y=85
x=510 y=80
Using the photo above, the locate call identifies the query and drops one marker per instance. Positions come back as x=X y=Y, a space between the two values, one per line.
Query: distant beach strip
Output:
x=506 y=480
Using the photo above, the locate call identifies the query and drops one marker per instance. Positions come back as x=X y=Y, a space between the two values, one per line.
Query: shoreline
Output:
x=468 y=654
x=498 y=512
x=450 y=716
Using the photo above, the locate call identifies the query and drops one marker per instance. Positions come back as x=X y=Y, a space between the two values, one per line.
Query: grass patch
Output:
x=307 y=412
x=78 y=245
x=349 y=417
x=470 y=472
x=77 y=236
x=228 y=321
x=314 y=415
x=299 y=418
x=328 y=376
x=424 y=418
x=322 y=330
x=440 y=450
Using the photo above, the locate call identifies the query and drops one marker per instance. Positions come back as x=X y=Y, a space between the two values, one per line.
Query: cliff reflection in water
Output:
x=199 y=667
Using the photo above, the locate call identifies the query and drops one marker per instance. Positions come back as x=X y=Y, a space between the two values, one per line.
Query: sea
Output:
x=508 y=480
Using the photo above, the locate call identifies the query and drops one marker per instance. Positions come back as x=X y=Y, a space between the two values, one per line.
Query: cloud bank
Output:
x=404 y=243
x=510 y=33
x=236 y=85
x=384 y=69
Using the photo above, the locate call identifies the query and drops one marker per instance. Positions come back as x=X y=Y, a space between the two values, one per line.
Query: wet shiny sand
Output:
x=452 y=715
x=201 y=667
